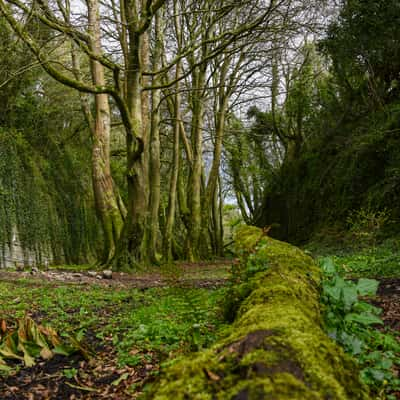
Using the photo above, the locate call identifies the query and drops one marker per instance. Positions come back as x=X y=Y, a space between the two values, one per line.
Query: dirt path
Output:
x=197 y=275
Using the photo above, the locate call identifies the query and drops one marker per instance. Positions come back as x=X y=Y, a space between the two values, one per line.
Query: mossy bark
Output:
x=276 y=347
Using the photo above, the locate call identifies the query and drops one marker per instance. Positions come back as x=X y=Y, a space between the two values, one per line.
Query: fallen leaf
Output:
x=120 y=379
x=212 y=375
x=3 y=326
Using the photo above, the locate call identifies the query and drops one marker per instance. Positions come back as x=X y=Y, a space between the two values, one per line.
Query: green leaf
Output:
x=377 y=374
x=367 y=287
x=385 y=363
x=349 y=296
x=63 y=350
x=363 y=319
x=374 y=356
x=352 y=343
x=328 y=266
x=333 y=289
x=362 y=306
x=123 y=377
x=4 y=369
x=32 y=348
x=70 y=373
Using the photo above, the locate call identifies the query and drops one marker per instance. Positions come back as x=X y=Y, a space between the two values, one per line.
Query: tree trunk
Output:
x=167 y=240
x=131 y=249
x=103 y=186
x=155 y=163
x=194 y=192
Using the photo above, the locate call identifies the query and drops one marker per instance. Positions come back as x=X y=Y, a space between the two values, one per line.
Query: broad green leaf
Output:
x=363 y=319
x=362 y=306
x=63 y=350
x=32 y=348
x=349 y=296
x=367 y=287
x=388 y=342
x=385 y=363
x=377 y=374
x=352 y=343
x=332 y=291
x=374 y=356
x=328 y=266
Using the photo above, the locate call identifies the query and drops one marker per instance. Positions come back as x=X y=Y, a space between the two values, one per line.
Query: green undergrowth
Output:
x=373 y=261
x=143 y=326
x=73 y=267
x=354 y=322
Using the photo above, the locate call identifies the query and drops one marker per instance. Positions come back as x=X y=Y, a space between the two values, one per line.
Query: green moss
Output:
x=276 y=345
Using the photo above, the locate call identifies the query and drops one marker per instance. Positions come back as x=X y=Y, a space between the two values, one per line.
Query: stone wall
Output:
x=14 y=255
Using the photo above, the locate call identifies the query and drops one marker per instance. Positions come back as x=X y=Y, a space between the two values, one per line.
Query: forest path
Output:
x=191 y=275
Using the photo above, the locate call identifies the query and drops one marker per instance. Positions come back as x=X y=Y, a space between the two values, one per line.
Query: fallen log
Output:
x=276 y=347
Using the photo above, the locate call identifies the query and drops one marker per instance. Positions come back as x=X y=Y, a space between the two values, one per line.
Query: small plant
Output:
x=70 y=373
x=366 y=224
x=25 y=341
x=173 y=320
x=350 y=321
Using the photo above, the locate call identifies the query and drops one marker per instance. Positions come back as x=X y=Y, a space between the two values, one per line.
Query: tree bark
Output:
x=106 y=198
x=155 y=163
x=172 y=198
x=131 y=248
x=195 y=226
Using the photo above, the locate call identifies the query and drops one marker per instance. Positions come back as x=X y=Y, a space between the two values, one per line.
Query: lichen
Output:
x=276 y=347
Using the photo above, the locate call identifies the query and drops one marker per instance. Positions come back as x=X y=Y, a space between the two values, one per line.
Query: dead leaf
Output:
x=212 y=375
x=46 y=354
x=3 y=326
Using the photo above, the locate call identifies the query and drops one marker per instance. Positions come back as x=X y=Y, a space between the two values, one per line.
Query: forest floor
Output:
x=196 y=275
x=133 y=323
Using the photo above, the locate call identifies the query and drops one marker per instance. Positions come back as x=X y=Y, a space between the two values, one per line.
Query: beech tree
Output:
x=142 y=66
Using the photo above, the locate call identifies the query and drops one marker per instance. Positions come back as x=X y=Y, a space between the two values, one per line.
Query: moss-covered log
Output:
x=276 y=347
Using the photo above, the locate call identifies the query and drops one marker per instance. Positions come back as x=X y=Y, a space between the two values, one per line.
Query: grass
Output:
x=143 y=326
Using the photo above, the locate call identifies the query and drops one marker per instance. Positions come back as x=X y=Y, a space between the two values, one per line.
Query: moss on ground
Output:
x=276 y=347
